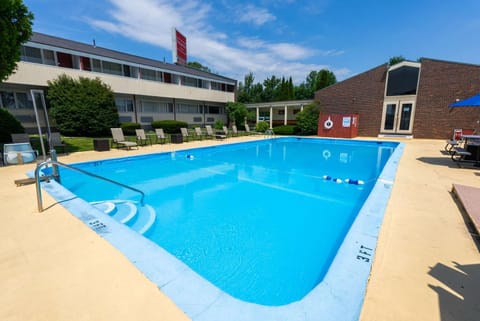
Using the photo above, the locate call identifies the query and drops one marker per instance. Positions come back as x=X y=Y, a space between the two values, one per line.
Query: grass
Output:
x=72 y=144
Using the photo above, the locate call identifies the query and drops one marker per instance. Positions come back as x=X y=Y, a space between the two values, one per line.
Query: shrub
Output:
x=129 y=127
x=169 y=126
x=218 y=125
x=286 y=130
x=307 y=120
x=82 y=107
x=262 y=126
x=8 y=125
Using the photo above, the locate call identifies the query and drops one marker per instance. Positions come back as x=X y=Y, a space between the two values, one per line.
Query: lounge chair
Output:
x=249 y=132
x=235 y=130
x=185 y=135
x=141 y=137
x=160 y=135
x=225 y=130
x=119 y=140
x=198 y=133
x=18 y=153
x=210 y=133
x=20 y=138
x=56 y=141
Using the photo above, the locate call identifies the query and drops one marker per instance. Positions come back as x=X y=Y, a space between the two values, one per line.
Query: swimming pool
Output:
x=258 y=226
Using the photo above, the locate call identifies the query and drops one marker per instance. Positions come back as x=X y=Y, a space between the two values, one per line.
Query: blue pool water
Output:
x=262 y=221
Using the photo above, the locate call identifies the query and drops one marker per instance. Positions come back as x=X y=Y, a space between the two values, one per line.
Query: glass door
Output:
x=397 y=117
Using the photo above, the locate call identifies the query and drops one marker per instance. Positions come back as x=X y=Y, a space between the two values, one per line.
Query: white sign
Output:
x=346 y=122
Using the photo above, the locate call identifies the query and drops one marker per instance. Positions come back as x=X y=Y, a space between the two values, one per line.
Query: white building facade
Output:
x=145 y=90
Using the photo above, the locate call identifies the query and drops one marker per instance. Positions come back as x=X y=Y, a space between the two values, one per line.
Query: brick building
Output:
x=409 y=98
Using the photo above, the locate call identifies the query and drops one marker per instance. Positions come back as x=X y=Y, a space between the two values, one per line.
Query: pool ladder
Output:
x=56 y=176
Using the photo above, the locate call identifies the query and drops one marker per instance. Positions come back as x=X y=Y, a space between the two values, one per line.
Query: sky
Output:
x=281 y=38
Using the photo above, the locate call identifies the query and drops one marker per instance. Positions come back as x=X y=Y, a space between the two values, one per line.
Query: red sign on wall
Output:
x=179 y=48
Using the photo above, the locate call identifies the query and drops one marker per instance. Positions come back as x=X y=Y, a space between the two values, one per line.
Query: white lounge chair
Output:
x=210 y=133
x=141 y=137
x=198 y=133
x=119 y=139
x=160 y=135
x=185 y=135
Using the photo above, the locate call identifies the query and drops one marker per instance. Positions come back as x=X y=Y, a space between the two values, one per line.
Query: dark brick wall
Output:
x=441 y=83
x=361 y=94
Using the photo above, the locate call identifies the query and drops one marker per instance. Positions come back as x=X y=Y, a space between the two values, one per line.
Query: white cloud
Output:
x=255 y=15
x=151 y=21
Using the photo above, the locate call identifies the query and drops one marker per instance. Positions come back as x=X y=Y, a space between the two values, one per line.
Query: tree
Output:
x=270 y=89
x=236 y=112
x=83 y=107
x=395 y=60
x=307 y=119
x=197 y=65
x=15 y=29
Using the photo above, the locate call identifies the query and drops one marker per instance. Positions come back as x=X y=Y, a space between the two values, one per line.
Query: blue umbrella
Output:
x=469 y=102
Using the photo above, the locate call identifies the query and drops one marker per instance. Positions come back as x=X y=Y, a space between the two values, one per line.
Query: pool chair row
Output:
x=208 y=132
x=119 y=140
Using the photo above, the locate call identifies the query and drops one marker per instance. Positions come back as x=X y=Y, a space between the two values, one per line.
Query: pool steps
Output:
x=139 y=218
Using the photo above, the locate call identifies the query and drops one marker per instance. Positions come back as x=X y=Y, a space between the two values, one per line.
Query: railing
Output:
x=56 y=176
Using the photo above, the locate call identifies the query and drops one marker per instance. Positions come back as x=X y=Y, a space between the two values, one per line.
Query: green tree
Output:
x=307 y=119
x=395 y=60
x=271 y=88
x=15 y=29
x=83 y=107
x=236 y=112
x=197 y=65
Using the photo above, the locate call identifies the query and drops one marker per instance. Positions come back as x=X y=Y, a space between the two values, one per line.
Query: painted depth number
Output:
x=364 y=254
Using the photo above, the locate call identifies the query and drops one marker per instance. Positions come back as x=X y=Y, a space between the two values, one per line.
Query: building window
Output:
x=197 y=119
x=189 y=81
x=214 y=110
x=49 y=57
x=31 y=54
x=281 y=112
x=156 y=107
x=16 y=100
x=7 y=99
x=147 y=74
x=112 y=68
x=64 y=60
x=189 y=109
x=24 y=101
x=124 y=105
x=403 y=81
x=96 y=65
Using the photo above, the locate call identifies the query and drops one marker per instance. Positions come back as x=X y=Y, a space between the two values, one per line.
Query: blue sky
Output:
x=273 y=37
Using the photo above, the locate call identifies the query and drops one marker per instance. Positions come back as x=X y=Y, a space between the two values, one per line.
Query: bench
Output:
x=469 y=197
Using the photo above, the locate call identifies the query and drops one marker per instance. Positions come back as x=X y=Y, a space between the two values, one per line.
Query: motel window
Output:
x=189 y=81
x=147 y=74
x=214 y=110
x=281 y=112
x=16 y=100
x=112 y=68
x=49 y=57
x=24 y=101
x=205 y=84
x=64 y=60
x=85 y=64
x=156 y=107
x=31 y=54
x=124 y=105
x=96 y=65
x=189 y=109
x=7 y=99
x=230 y=88
x=215 y=85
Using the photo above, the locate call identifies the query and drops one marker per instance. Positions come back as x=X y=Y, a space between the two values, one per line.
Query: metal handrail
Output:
x=55 y=175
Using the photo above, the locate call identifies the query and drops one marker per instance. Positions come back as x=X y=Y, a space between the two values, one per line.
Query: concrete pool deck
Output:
x=427 y=265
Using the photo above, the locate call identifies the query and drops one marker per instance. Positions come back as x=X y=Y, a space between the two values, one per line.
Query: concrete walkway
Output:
x=427 y=266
